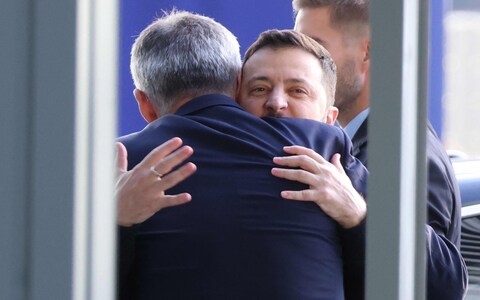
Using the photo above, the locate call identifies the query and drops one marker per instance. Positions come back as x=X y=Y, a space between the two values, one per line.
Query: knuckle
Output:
x=303 y=158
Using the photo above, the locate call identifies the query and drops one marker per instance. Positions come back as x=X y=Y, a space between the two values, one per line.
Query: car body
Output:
x=467 y=171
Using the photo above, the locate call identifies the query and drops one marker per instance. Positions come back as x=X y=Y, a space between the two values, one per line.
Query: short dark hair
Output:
x=278 y=39
x=343 y=12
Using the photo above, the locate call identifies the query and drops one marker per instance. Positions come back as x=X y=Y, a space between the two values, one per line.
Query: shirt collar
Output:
x=355 y=123
x=205 y=101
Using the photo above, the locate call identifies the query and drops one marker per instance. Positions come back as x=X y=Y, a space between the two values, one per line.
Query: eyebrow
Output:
x=265 y=78
x=296 y=80
x=258 y=78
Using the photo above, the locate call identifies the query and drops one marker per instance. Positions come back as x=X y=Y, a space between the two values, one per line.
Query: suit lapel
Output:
x=359 y=142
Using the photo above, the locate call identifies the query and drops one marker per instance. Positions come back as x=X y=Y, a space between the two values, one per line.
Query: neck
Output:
x=178 y=104
x=181 y=102
x=348 y=113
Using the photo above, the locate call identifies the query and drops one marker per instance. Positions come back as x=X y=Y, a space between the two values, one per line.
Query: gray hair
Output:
x=184 y=55
x=352 y=14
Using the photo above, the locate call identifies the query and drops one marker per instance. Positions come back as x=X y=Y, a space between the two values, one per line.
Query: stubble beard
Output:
x=348 y=89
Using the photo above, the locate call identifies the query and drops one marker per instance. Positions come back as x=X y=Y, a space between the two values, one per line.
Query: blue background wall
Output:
x=246 y=19
x=438 y=9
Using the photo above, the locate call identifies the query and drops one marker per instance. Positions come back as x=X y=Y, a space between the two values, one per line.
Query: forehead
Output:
x=315 y=22
x=283 y=61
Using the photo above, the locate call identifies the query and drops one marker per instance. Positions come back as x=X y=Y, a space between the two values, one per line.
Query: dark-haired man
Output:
x=342 y=26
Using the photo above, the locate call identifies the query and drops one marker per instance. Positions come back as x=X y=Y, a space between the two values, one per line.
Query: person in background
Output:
x=342 y=27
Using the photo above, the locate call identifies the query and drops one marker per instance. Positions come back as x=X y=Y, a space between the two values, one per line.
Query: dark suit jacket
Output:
x=237 y=239
x=446 y=270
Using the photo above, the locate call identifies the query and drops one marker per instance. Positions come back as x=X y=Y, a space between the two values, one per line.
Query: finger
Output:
x=173 y=200
x=121 y=158
x=177 y=176
x=157 y=154
x=337 y=163
x=174 y=159
x=295 y=175
x=298 y=161
x=300 y=150
x=303 y=195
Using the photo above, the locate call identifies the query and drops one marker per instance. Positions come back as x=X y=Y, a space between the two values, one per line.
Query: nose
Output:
x=276 y=104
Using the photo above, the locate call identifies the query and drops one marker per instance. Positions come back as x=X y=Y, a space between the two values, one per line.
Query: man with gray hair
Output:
x=236 y=239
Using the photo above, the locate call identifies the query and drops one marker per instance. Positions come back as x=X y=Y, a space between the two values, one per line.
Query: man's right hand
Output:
x=140 y=192
x=329 y=186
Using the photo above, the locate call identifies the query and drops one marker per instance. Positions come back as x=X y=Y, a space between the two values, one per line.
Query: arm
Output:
x=336 y=193
x=140 y=194
x=446 y=270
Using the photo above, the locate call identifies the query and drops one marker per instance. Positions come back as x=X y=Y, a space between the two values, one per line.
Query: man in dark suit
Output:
x=236 y=239
x=343 y=28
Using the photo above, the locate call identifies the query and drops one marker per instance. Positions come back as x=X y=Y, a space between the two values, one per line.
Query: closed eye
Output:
x=299 y=91
x=258 y=90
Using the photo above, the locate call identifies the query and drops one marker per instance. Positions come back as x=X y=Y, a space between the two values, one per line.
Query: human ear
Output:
x=366 y=55
x=145 y=106
x=367 y=50
x=331 y=115
x=238 y=86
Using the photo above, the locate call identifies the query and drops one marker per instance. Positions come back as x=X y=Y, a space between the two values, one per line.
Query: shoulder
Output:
x=438 y=159
x=441 y=176
x=306 y=127
x=323 y=138
x=443 y=192
x=140 y=143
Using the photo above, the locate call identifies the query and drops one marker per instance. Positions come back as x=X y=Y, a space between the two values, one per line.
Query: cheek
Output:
x=252 y=106
x=312 y=112
x=242 y=100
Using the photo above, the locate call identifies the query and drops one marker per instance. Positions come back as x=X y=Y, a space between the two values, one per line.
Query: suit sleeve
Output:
x=353 y=254
x=125 y=261
x=446 y=270
x=353 y=239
